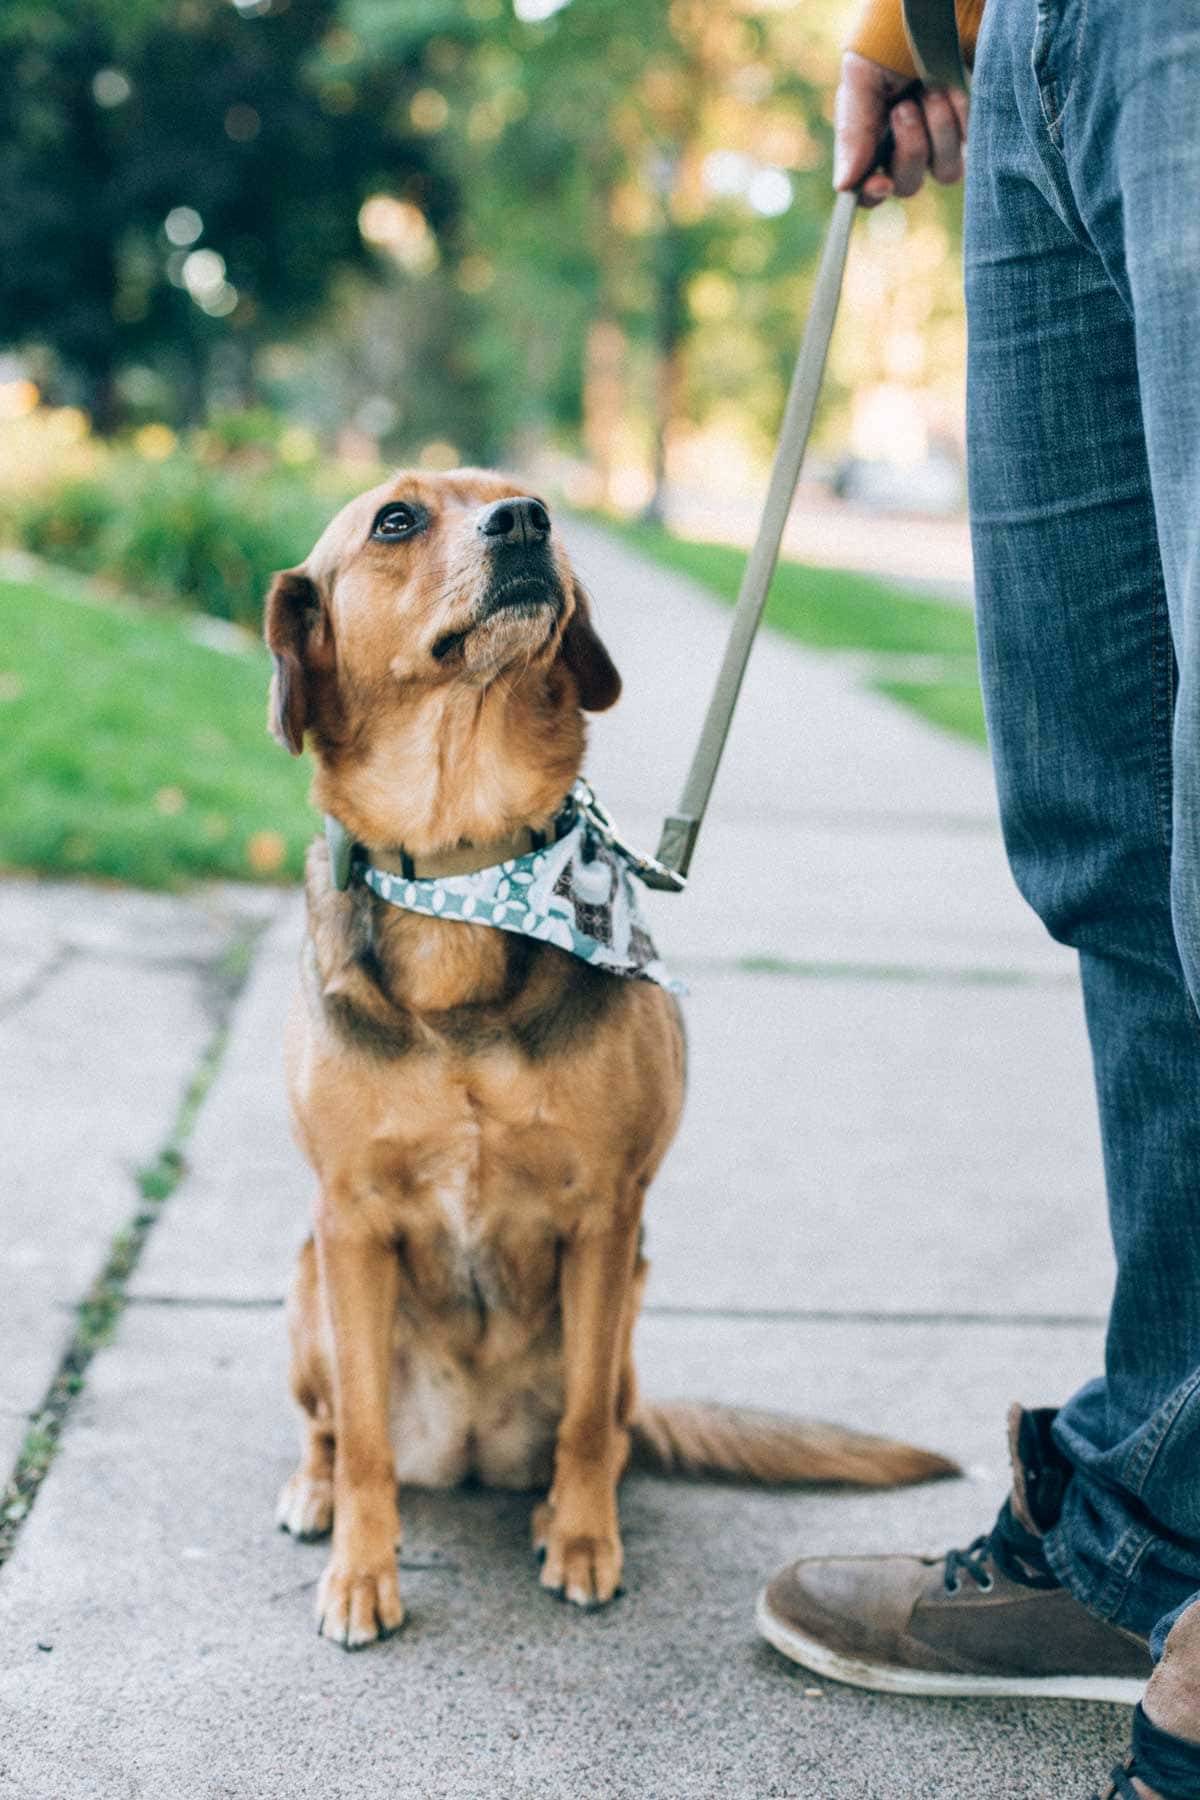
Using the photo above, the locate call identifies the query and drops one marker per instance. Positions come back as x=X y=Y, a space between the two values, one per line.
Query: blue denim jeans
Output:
x=1083 y=292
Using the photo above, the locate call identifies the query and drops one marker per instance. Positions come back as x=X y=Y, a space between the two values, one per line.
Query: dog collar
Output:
x=575 y=891
x=465 y=859
x=468 y=859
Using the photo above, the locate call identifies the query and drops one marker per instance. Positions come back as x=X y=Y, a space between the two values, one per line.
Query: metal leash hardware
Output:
x=648 y=869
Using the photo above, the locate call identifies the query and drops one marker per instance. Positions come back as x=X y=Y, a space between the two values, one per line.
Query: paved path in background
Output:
x=885 y=1206
x=933 y=554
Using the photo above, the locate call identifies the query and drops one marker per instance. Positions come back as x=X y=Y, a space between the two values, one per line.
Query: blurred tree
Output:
x=463 y=226
x=179 y=179
x=612 y=157
x=645 y=185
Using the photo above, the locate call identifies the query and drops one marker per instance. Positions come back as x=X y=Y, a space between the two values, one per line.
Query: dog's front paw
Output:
x=357 y=1606
x=305 y=1506
x=579 y=1567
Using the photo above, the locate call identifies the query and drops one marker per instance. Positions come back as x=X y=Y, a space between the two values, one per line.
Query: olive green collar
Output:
x=462 y=859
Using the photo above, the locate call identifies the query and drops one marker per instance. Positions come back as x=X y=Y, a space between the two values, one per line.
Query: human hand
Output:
x=930 y=129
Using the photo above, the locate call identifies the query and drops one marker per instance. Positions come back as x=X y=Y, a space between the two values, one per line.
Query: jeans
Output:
x=1083 y=299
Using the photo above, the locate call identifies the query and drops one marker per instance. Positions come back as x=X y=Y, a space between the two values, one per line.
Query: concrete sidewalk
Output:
x=885 y=1206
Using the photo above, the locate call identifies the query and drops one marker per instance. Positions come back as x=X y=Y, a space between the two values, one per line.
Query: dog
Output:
x=484 y=1111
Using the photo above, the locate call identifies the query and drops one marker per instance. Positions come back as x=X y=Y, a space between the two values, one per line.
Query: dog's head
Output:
x=436 y=627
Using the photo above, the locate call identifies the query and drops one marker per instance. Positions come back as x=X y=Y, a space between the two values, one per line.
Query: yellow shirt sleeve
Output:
x=879 y=33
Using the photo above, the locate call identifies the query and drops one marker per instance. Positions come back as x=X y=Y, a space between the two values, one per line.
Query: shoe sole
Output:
x=882 y=1678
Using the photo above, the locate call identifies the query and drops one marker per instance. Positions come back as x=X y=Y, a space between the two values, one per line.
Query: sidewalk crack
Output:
x=38 y=982
x=821 y=1315
x=209 y=1302
x=99 y=1311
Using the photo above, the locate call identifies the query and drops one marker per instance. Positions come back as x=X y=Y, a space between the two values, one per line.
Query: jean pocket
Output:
x=1055 y=55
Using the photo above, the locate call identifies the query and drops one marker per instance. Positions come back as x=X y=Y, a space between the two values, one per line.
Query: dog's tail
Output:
x=696 y=1437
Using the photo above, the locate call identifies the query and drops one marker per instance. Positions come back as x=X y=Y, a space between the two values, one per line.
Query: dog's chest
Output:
x=480 y=1213
x=477 y=1387
x=456 y=1199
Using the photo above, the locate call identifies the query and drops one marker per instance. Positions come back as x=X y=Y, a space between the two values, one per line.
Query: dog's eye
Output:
x=395 y=520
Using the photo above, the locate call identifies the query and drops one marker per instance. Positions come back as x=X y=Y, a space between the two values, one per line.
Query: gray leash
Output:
x=933 y=33
x=682 y=827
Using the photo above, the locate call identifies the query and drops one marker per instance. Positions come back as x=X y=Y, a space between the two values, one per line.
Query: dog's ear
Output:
x=295 y=627
x=595 y=673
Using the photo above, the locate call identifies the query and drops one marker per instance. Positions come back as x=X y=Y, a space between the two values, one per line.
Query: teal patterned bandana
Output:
x=576 y=893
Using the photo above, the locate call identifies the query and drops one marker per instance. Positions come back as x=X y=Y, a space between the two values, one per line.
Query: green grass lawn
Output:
x=129 y=750
x=953 y=705
x=831 y=609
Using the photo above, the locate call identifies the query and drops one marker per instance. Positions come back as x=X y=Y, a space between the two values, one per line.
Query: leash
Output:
x=933 y=34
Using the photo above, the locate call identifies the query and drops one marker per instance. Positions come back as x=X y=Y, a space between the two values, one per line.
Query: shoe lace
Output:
x=1016 y=1552
x=972 y=1561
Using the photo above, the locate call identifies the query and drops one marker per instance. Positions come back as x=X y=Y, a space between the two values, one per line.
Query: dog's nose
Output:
x=520 y=520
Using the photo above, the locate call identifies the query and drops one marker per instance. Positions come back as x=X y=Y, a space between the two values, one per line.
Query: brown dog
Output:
x=483 y=1113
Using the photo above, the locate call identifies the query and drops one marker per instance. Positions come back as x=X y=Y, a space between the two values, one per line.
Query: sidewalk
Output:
x=885 y=1207
x=934 y=554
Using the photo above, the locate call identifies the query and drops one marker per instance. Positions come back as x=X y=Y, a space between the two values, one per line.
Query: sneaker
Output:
x=989 y=1620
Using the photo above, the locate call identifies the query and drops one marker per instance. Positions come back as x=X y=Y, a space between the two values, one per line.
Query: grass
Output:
x=131 y=751
x=832 y=609
x=953 y=705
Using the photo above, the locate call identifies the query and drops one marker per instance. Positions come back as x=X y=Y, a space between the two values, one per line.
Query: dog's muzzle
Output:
x=516 y=540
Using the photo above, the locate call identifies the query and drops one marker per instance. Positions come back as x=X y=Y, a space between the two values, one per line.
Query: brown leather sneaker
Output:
x=989 y=1620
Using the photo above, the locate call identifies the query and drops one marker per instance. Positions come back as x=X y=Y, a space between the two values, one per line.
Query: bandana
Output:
x=576 y=893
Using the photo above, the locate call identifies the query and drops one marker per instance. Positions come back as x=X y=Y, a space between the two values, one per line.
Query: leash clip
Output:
x=648 y=869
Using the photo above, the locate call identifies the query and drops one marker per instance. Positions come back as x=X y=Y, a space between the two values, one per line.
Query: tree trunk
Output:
x=671 y=324
x=603 y=401
x=103 y=402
